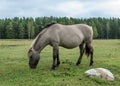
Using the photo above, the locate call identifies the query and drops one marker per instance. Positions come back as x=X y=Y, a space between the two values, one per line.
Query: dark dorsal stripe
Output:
x=50 y=24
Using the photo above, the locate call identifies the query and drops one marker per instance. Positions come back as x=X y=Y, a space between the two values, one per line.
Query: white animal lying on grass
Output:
x=100 y=72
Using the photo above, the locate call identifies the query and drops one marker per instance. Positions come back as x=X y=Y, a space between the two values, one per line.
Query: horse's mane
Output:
x=49 y=24
x=42 y=32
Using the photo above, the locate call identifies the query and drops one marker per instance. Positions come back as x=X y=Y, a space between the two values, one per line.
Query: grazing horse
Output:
x=67 y=36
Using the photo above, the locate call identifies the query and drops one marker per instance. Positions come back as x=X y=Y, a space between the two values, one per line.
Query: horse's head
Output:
x=33 y=58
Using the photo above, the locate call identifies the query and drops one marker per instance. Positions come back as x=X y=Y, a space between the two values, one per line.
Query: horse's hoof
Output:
x=53 y=67
x=77 y=64
x=91 y=65
x=57 y=65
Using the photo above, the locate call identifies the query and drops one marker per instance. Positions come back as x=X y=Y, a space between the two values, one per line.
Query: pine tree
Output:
x=107 y=30
x=38 y=25
x=21 y=31
x=30 y=28
x=10 y=31
x=0 y=28
x=15 y=23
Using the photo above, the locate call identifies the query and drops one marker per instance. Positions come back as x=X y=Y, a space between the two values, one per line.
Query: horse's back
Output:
x=83 y=30
x=70 y=36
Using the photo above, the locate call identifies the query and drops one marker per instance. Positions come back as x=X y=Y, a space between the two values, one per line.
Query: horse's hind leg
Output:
x=90 y=51
x=91 y=57
x=81 y=47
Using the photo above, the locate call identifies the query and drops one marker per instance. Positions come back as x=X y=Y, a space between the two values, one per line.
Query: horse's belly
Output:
x=70 y=43
x=68 y=47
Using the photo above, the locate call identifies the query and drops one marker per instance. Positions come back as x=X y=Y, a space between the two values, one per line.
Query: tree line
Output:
x=28 y=28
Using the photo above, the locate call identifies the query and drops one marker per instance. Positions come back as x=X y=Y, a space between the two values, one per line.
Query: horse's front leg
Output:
x=58 y=59
x=55 y=56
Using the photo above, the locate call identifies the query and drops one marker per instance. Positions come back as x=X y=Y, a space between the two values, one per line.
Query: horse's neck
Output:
x=39 y=44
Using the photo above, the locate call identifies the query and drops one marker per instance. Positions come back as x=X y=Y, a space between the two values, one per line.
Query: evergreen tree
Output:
x=95 y=33
x=38 y=25
x=9 y=31
x=21 y=31
x=15 y=23
x=30 y=28
x=104 y=28
x=0 y=28
x=107 y=29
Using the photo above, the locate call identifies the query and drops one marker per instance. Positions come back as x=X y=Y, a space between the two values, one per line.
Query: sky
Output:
x=60 y=8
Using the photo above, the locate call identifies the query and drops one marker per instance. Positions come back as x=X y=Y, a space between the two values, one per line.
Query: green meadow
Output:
x=15 y=71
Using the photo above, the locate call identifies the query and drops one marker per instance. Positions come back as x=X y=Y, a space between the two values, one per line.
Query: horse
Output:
x=67 y=36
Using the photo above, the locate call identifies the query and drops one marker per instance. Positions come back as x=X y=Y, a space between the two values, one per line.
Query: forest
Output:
x=28 y=28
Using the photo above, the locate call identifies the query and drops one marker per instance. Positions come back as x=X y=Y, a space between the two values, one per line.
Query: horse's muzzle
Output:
x=32 y=66
x=33 y=63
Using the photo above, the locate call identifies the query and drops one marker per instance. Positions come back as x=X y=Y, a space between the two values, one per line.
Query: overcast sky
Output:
x=60 y=8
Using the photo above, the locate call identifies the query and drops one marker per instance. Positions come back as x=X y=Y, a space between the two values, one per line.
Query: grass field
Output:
x=14 y=69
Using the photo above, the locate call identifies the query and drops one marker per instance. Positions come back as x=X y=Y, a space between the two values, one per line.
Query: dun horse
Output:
x=67 y=36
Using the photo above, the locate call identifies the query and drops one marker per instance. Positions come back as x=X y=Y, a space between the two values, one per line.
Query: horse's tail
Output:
x=87 y=50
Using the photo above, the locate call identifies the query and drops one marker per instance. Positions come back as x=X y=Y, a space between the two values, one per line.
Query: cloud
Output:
x=69 y=8
x=88 y=8
x=111 y=8
x=106 y=8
